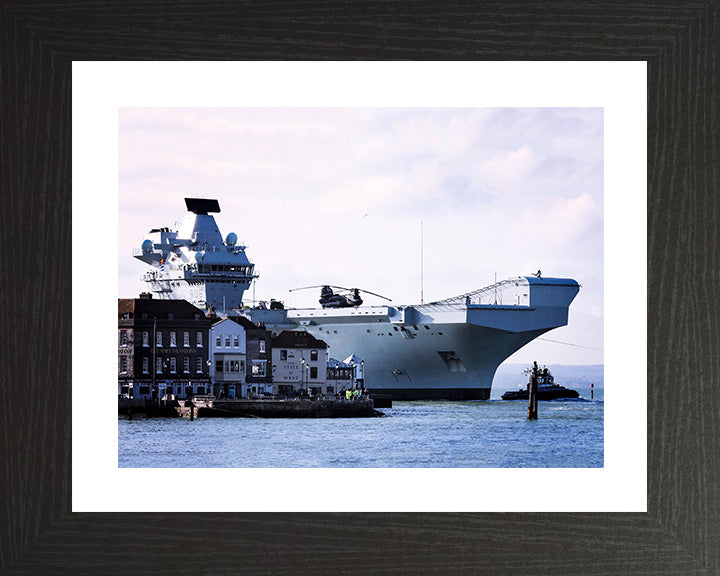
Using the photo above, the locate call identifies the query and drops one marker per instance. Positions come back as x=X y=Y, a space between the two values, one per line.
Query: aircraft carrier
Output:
x=449 y=349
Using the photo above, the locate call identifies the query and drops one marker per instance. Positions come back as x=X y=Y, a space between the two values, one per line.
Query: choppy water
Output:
x=481 y=434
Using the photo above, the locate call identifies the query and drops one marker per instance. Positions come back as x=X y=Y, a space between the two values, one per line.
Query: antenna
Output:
x=422 y=264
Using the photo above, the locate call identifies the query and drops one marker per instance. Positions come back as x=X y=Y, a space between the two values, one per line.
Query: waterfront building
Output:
x=228 y=354
x=340 y=375
x=299 y=362
x=162 y=348
x=258 y=354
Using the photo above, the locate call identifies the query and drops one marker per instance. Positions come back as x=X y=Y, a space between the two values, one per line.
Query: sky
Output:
x=340 y=196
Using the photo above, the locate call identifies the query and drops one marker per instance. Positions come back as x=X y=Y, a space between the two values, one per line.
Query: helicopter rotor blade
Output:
x=373 y=293
x=319 y=286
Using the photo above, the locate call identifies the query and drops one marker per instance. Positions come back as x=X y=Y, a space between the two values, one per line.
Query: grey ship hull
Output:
x=432 y=352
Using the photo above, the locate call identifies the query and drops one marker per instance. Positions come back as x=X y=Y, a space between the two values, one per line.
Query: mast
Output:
x=422 y=264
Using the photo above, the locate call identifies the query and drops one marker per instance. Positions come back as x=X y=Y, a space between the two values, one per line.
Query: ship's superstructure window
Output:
x=123 y=338
x=186 y=365
x=186 y=339
x=146 y=339
x=173 y=342
x=146 y=365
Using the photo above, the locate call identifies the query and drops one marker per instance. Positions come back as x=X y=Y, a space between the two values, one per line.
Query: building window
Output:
x=158 y=339
x=236 y=343
x=258 y=368
x=237 y=366
x=173 y=342
x=227 y=341
x=218 y=365
x=199 y=339
x=146 y=365
x=158 y=365
x=186 y=339
x=313 y=354
x=330 y=390
x=313 y=371
x=199 y=365
x=262 y=346
x=171 y=316
x=146 y=339
x=242 y=365
x=186 y=364
x=123 y=338
x=123 y=364
x=218 y=342
x=126 y=315
x=227 y=366
x=173 y=365
x=283 y=354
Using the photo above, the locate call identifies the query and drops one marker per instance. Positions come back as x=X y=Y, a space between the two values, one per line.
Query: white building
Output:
x=228 y=354
x=299 y=363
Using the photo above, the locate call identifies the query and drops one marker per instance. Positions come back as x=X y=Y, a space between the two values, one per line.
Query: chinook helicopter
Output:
x=330 y=299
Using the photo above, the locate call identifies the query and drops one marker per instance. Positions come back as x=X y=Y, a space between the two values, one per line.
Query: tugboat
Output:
x=547 y=389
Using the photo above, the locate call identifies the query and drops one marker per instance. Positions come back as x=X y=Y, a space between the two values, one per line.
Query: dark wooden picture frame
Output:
x=681 y=530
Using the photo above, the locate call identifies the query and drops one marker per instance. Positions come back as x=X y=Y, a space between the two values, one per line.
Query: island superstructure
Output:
x=448 y=349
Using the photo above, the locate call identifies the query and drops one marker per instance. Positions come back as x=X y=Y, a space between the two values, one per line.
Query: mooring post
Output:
x=192 y=410
x=532 y=393
x=592 y=390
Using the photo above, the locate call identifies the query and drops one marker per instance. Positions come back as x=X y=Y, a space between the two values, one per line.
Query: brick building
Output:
x=162 y=348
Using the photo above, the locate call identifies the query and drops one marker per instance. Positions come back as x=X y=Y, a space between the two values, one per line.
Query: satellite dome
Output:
x=147 y=246
x=231 y=239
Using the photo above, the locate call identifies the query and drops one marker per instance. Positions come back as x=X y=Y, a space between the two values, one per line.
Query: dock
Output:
x=315 y=407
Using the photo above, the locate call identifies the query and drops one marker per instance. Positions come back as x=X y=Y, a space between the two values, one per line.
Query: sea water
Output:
x=437 y=434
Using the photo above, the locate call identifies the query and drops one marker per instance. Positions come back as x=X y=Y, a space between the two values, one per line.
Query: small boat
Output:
x=547 y=389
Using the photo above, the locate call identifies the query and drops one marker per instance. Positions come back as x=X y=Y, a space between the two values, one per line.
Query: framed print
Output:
x=40 y=533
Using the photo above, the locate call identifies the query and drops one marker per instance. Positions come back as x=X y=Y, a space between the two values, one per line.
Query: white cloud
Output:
x=337 y=194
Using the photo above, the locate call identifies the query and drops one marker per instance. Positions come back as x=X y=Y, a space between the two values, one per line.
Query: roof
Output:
x=181 y=309
x=245 y=323
x=297 y=339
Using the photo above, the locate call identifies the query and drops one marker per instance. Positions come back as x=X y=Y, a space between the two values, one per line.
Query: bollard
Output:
x=532 y=393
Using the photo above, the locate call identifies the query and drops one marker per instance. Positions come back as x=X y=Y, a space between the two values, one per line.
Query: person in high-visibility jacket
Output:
x=356 y=393
x=348 y=394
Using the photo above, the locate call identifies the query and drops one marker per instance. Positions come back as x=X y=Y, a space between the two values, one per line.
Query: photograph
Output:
x=361 y=287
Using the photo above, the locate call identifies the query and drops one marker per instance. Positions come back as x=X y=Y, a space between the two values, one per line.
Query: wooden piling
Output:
x=533 y=393
x=592 y=390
